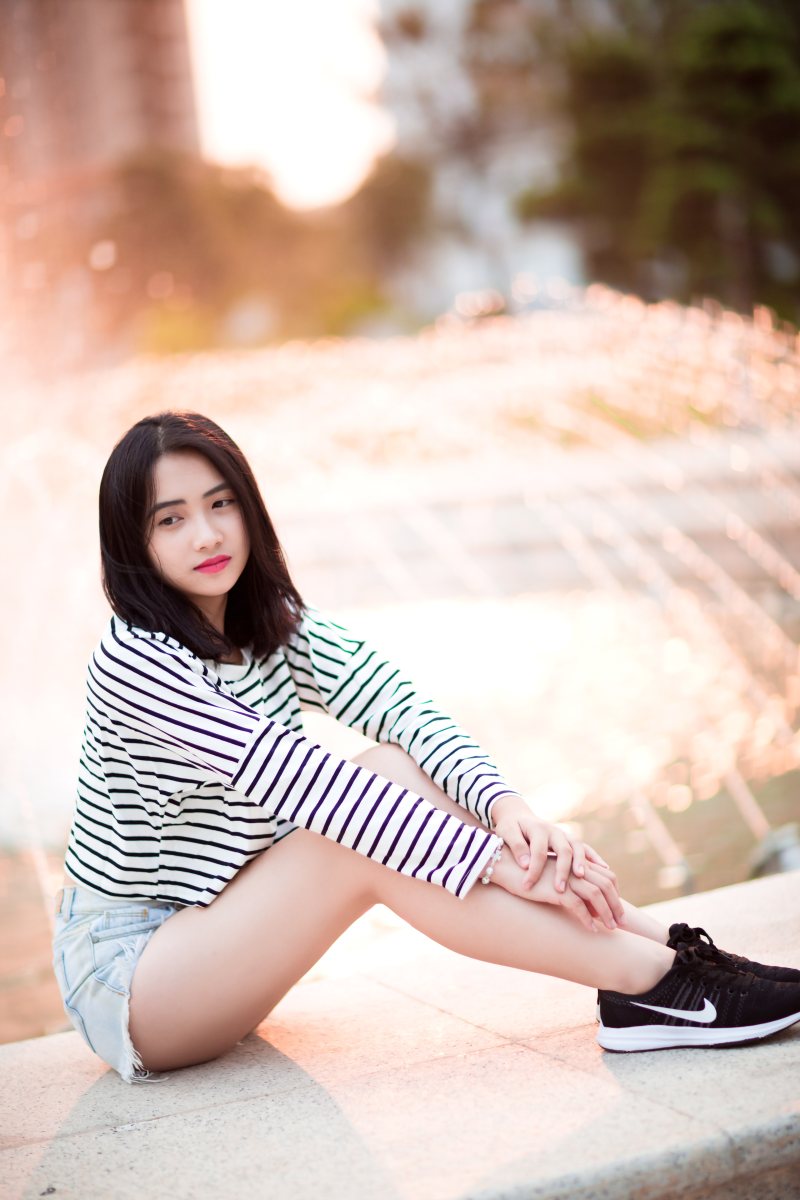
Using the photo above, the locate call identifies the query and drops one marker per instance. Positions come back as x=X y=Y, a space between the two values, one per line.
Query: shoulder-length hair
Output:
x=264 y=606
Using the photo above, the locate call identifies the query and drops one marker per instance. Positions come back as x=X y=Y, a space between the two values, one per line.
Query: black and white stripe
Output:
x=187 y=772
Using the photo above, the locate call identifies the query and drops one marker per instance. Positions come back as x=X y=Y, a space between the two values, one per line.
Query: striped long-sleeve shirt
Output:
x=189 y=769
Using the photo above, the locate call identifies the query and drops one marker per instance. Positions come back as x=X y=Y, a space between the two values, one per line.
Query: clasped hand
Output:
x=552 y=867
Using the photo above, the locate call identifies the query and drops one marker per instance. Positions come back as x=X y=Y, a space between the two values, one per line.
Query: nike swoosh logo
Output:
x=705 y=1015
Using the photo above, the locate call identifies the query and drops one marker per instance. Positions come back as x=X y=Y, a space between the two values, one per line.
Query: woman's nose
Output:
x=206 y=533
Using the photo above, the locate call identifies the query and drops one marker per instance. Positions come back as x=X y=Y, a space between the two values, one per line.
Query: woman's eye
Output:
x=174 y=518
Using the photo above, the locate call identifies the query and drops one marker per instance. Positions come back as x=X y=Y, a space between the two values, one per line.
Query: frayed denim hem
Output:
x=97 y=945
x=130 y=1067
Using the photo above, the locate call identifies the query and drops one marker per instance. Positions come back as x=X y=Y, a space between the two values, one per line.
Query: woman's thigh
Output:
x=209 y=975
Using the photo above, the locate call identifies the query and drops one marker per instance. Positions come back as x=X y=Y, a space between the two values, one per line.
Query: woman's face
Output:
x=198 y=540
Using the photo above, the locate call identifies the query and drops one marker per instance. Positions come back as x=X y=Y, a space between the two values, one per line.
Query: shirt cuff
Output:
x=478 y=867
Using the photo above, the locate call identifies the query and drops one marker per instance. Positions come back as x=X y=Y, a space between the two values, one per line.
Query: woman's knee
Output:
x=388 y=759
x=314 y=860
x=394 y=763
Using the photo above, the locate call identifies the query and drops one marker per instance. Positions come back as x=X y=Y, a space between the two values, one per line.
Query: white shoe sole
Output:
x=662 y=1037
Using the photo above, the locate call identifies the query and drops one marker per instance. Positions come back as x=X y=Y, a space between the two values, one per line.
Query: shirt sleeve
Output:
x=351 y=680
x=158 y=694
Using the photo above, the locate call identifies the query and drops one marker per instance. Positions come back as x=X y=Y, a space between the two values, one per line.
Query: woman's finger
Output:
x=594 y=870
x=595 y=901
x=578 y=858
x=612 y=904
x=564 y=859
x=537 y=848
x=604 y=872
x=611 y=893
x=575 y=905
x=518 y=845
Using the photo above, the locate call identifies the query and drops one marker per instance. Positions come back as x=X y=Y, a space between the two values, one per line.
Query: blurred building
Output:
x=468 y=86
x=83 y=84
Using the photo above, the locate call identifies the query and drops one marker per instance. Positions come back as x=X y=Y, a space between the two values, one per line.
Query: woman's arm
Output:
x=167 y=707
x=348 y=678
x=351 y=680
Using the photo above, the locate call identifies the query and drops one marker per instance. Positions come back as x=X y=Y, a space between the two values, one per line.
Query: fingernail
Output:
x=561 y=885
x=594 y=927
x=525 y=861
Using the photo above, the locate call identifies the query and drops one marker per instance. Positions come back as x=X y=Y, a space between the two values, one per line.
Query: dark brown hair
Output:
x=263 y=608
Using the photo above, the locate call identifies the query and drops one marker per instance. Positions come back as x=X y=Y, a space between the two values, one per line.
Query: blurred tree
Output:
x=187 y=254
x=609 y=102
x=191 y=239
x=374 y=231
x=684 y=165
x=728 y=190
x=390 y=212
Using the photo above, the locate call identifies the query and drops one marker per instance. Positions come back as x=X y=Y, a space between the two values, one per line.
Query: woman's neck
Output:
x=236 y=658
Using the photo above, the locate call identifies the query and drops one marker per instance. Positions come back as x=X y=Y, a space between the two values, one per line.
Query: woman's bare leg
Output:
x=643 y=924
x=208 y=976
x=395 y=764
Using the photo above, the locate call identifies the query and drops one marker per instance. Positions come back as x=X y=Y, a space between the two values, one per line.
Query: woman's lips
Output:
x=212 y=565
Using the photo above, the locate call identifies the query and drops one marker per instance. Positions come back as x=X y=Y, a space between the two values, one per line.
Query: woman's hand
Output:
x=592 y=898
x=530 y=840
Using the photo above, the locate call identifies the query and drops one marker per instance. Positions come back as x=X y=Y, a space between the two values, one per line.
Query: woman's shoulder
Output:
x=324 y=642
x=123 y=639
x=118 y=631
x=315 y=623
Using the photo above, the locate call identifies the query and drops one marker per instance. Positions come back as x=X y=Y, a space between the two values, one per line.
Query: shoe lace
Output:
x=692 y=937
x=702 y=960
x=687 y=933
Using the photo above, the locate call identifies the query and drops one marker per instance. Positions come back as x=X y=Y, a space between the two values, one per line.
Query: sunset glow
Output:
x=291 y=88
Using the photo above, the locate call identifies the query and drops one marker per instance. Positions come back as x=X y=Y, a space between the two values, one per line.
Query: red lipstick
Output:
x=212 y=565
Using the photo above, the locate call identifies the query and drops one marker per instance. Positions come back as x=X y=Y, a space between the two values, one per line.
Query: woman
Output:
x=216 y=853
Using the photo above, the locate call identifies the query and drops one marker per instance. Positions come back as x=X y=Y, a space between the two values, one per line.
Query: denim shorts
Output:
x=97 y=943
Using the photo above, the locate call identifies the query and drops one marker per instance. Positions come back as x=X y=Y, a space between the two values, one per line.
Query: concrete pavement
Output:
x=398 y=1069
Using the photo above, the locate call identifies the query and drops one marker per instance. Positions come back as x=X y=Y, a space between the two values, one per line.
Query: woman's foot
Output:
x=697 y=1003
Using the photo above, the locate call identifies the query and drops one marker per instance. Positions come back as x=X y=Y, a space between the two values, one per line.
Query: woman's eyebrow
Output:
x=219 y=487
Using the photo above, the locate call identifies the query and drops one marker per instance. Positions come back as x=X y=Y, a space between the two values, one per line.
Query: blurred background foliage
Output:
x=684 y=161
x=206 y=254
x=668 y=148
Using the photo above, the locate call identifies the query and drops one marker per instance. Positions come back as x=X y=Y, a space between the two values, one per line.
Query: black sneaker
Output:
x=697 y=1003
x=700 y=940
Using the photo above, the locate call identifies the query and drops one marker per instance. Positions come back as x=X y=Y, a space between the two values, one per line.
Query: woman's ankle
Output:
x=642 y=923
x=641 y=971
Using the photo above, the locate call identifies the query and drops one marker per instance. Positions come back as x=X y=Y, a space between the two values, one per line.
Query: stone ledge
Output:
x=398 y=1069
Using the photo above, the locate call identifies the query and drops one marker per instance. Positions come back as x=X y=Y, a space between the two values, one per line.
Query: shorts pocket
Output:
x=122 y=930
x=113 y=931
